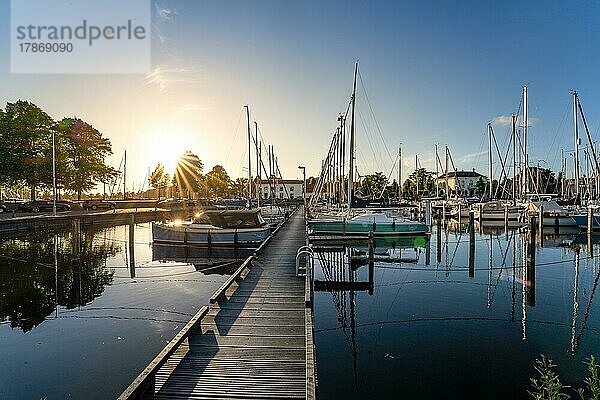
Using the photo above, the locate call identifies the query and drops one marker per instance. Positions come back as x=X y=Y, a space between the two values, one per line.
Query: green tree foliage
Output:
x=374 y=184
x=426 y=184
x=187 y=178
x=26 y=133
x=85 y=150
x=218 y=181
x=26 y=145
x=159 y=179
x=28 y=289
x=240 y=187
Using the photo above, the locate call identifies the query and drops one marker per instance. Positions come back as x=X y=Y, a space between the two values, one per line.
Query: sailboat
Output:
x=366 y=221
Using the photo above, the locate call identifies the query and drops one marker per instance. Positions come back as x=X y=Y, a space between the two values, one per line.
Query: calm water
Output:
x=432 y=329
x=86 y=329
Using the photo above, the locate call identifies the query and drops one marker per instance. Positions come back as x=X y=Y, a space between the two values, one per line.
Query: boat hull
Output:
x=185 y=234
x=351 y=228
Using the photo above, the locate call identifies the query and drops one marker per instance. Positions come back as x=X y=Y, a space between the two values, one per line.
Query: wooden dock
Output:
x=255 y=340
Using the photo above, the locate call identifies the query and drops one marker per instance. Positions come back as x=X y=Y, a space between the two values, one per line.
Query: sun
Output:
x=166 y=144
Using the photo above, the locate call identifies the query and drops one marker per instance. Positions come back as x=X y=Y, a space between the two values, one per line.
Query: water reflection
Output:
x=41 y=271
x=494 y=299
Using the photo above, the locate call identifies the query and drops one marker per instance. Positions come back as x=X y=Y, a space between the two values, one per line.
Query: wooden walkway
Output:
x=254 y=341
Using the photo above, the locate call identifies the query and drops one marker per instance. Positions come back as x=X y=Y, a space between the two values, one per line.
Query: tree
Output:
x=218 y=181
x=159 y=179
x=480 y=187
x=187 y=178
x=26 y=145
x=85 y=151
x=240 y=187
x=374 y=184
x=426 y=184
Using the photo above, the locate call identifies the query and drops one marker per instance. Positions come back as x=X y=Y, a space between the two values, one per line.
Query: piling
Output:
x=132 y=246
x=590 y=217
x=438 y=246
x=428 y=212
x=530 y=272
x=371 y=262
x=459 y=213
x=541 y=224
x=506 y=220
x=471 y=244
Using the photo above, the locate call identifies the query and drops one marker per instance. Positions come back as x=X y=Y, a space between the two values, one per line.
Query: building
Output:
x=461 y=183
x=282 y=189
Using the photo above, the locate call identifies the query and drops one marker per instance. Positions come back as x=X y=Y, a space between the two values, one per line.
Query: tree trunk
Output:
x=32 y=193
x=78 y=195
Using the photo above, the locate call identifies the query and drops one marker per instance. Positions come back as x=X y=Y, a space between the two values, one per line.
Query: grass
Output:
x=549 y=387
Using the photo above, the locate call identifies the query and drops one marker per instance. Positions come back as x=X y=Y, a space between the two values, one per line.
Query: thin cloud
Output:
x=506 y=120
x=165 y=13
x=165 y=78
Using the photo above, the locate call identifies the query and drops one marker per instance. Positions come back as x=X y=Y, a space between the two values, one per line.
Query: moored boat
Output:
x=378 y=223
x=215 y=227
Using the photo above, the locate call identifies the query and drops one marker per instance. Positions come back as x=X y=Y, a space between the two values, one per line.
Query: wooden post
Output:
x=541 y=224
x=459 y=214
x=530 y=276
x=472 y=244
x=439 y=242
x=590 y=217
x=371 y=262
x=132 y=245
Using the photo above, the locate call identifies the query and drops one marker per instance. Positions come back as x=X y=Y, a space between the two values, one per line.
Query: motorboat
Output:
x=214 y=227
x=496 y=211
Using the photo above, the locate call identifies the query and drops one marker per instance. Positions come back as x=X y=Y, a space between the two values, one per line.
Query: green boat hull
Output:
x=364 y=228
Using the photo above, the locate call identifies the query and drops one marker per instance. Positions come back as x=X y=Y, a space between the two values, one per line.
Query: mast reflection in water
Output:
x=465 y=323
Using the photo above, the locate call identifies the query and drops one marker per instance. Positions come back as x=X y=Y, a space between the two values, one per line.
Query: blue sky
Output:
x=434 y=72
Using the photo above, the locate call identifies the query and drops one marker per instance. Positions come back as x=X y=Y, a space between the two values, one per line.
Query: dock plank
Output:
x=252 y=341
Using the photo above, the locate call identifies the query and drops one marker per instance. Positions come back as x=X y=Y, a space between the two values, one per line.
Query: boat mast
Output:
x=258 y=184
x=514 y=141
x=417 y=175
x=437 y=172
x=351 y=158
x=249 y=157
x=489 y=129
x=400 y=171
x=446 y=174
x=576 y=139
x=526 y=157
x=125 y=175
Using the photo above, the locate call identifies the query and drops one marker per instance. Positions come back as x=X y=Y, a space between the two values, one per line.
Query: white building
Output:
x=461 y=183
x=281 y=189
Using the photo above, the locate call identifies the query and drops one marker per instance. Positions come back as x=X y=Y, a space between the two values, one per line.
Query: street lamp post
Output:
x=53 y=172
x=303 y=168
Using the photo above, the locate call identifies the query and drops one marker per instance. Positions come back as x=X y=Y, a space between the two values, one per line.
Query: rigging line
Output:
x=116 y=317
x=235 y=135
x=128 y=308
x=447 y=319
x=369 y=138
x=374 y=118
